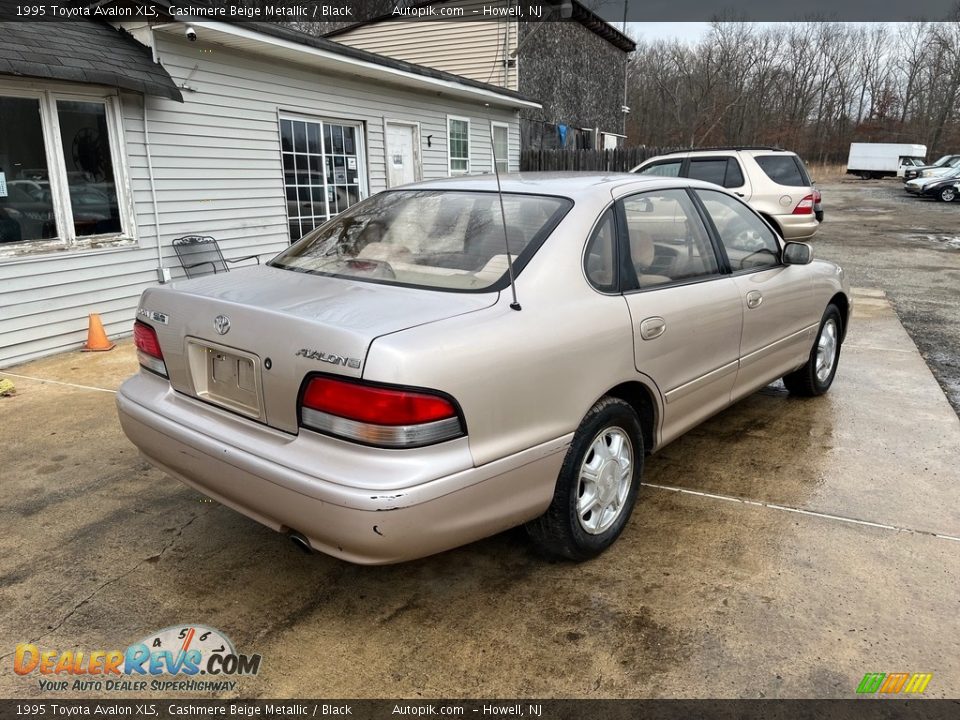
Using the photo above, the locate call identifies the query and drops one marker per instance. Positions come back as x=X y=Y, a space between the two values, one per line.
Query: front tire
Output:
x=816 y=375
x=597 y=486
x=948 y=194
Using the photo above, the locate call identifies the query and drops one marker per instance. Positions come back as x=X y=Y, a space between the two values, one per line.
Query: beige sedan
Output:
x=377 y=392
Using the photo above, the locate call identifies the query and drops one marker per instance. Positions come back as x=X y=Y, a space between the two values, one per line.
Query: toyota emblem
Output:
x=222 y=324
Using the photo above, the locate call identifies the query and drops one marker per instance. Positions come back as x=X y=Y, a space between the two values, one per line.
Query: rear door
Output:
x=723 y=171
x=686 y=315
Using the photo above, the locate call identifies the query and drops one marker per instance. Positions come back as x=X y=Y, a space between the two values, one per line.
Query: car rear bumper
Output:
x=270 y=477
x=797 y=227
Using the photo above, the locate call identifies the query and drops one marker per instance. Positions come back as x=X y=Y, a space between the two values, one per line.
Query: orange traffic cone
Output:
x=96 y=338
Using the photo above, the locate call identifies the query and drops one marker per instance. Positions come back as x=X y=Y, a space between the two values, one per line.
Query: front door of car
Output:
x=686 y=315
x=779 y=320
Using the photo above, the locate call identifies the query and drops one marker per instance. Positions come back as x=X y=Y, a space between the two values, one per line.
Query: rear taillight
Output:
x=148 y=348
x=805 y=206
x=376 y=415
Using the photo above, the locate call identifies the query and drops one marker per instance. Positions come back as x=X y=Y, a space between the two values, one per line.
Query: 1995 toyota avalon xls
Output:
x=376 y=392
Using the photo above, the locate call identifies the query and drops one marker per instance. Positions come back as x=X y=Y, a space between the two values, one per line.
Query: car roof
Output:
x=574 y=185
x=699 y=152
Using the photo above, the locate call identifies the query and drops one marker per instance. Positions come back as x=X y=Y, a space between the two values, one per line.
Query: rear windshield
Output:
x=784 y=169
x=450 y=240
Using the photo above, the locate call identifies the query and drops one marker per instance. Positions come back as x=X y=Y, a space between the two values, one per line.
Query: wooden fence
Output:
x=619 y=160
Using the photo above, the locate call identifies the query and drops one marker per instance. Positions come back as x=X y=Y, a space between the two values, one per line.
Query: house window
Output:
x=86 y=157
x=500 y=146
x=458 y=145
x=322 y=170
x=58 y=186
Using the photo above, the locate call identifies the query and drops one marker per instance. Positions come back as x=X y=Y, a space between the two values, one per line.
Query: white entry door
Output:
x=403 y=154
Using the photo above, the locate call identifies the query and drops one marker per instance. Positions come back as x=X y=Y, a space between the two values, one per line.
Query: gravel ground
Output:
x=910 y=248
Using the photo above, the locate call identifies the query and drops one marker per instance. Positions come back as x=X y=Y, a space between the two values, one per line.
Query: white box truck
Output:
x=877 y=160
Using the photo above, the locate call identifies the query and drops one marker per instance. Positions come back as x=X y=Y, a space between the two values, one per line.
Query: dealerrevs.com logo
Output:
x=200 y=658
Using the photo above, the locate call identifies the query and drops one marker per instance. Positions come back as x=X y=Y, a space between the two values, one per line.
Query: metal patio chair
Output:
x=200 y=255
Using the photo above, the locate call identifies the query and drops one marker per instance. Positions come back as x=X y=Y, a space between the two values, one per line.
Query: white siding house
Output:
x=229 y=161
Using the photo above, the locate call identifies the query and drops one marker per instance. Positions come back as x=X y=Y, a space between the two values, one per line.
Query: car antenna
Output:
x=503 y=217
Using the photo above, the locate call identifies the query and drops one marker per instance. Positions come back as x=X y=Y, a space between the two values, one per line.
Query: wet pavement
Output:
x=908 y=247
x=782 y=549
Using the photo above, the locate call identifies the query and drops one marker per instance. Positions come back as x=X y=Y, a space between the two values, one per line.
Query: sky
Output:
x=687 y=31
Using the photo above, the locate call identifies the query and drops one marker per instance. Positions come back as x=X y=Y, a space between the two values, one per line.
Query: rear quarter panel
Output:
x=529 y=376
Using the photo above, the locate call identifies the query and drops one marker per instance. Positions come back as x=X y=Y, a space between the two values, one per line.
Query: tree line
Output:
x=811 y=87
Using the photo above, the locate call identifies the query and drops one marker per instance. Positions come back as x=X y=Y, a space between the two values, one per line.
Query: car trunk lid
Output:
x=245 y=340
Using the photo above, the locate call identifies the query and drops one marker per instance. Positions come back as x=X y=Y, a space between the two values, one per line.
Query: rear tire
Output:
x=948 y=194
x=597 y=486
x=816 y=375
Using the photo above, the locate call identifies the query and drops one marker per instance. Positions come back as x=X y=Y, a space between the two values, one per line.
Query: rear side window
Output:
x=669 y=168
x=601 y=256
x=784 y=169
x=724 y=172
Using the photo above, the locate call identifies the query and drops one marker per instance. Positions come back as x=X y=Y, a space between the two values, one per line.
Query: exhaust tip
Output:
x=301 y=542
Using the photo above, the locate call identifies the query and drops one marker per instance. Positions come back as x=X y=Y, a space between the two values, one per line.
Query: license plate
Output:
x=227 y=377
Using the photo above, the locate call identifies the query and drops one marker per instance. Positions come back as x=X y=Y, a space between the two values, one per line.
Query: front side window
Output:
x=322 y=166
x=458 y=134
x=41 y=204
x=668 y=242
x=451 y=240
x=747 y=240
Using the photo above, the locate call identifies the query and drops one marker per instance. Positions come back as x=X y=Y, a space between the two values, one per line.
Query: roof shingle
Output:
x=83 y=51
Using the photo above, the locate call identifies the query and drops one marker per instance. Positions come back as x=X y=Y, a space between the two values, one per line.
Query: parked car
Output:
x=772 y=181
x=943 y=187
x=377 y=392
x=941 y=166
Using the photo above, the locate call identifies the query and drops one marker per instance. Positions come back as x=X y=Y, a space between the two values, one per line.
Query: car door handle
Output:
x=739 y=194
x=754 y=298
x=652 y=328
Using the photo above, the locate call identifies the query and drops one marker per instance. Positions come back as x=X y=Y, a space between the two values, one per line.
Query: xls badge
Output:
x=179 y=650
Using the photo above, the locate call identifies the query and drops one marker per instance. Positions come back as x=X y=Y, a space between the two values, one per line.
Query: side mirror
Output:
x=797 y=253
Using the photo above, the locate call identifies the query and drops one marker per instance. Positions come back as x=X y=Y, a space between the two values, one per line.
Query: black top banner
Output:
x=358 y=11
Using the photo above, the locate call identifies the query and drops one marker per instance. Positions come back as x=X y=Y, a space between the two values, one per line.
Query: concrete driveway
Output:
x=782 y=549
